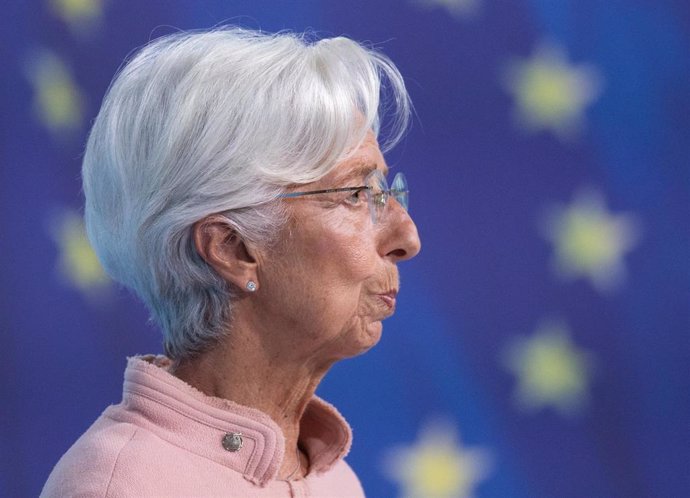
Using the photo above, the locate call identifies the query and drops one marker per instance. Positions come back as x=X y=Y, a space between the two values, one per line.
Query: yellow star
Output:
x=550 y=93
x=77 y=261
x=80 y=15
x=436 y=466
x=459 y=9
x=589 y=241
x=58 y=102
x=550 y=370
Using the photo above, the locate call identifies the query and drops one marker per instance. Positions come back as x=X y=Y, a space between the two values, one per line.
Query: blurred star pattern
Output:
x=77 y=262
x=550 y=370
x=436 y=465
x=540 y=344
x=550 y=92
x=590 y=242
x=79 y=15
x=58 y=102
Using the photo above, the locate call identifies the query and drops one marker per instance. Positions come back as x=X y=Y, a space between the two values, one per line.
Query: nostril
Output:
x=399 y=237
x=398 y=253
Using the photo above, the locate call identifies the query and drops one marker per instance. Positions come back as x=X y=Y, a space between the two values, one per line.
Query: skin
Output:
x=323 y=291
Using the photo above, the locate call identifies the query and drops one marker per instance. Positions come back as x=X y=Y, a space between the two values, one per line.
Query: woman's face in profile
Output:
x=333 y=274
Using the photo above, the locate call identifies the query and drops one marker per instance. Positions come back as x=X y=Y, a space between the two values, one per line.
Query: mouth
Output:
x=388 y=299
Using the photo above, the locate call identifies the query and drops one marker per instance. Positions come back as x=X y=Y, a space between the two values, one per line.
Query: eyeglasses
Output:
x=375 y=189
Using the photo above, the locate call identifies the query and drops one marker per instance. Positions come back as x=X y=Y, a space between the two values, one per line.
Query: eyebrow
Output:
x=362 y=171
x=359 y=172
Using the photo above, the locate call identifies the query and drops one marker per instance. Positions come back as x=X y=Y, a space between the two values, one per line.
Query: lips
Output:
x=388 y=299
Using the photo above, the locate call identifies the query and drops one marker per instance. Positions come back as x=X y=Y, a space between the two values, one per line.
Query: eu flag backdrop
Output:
x=542 y=341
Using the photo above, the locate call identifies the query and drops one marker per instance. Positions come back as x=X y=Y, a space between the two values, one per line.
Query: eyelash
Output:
x=356 y=197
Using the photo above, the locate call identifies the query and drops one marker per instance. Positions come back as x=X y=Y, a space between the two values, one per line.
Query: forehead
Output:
x=363 y=161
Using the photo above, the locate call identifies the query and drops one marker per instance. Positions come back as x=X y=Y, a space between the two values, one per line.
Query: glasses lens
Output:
x=377 y=194
x=400 y=191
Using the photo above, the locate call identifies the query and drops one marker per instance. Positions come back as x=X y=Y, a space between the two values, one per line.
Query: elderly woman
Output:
x=234 y=182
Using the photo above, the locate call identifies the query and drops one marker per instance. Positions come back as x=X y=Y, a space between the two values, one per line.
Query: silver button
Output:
x=232 y=441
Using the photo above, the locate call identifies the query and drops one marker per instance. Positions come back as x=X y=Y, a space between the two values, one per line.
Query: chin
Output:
x=368 y=338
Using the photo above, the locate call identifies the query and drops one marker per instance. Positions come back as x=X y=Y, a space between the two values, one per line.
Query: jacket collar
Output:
x=187 y=418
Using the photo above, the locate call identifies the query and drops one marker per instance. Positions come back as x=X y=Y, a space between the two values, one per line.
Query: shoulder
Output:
x=340 y=479
x=120 y=456
x=88 y=466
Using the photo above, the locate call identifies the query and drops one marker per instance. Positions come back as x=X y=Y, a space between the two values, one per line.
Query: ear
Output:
x=225 y=251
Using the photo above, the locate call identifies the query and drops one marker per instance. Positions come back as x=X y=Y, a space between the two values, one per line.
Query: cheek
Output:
x=352 y=258
x=353 y=241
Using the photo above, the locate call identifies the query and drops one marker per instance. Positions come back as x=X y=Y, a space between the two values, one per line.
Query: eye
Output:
x=356 y=197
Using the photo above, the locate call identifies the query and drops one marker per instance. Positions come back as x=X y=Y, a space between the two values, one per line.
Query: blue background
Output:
x=480 y=184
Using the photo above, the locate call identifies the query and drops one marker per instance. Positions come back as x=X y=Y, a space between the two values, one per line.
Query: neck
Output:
x=241 y=368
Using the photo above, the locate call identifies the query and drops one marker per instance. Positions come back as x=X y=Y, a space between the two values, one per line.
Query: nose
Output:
x=399 y=238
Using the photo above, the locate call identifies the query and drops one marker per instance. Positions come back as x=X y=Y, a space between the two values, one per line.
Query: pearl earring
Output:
x=251 y=286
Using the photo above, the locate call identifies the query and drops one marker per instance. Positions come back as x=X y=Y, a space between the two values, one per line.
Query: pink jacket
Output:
x=167 y=439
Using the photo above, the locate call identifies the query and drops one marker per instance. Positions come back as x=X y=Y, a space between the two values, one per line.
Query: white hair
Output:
x=220 y=121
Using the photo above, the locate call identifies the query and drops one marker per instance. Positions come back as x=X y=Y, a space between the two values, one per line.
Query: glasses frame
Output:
x=377 y=200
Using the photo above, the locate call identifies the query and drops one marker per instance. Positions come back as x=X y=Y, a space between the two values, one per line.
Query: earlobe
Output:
x=224 y=250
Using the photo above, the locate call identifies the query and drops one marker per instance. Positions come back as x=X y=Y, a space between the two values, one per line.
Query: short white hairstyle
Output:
x=221 y=121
